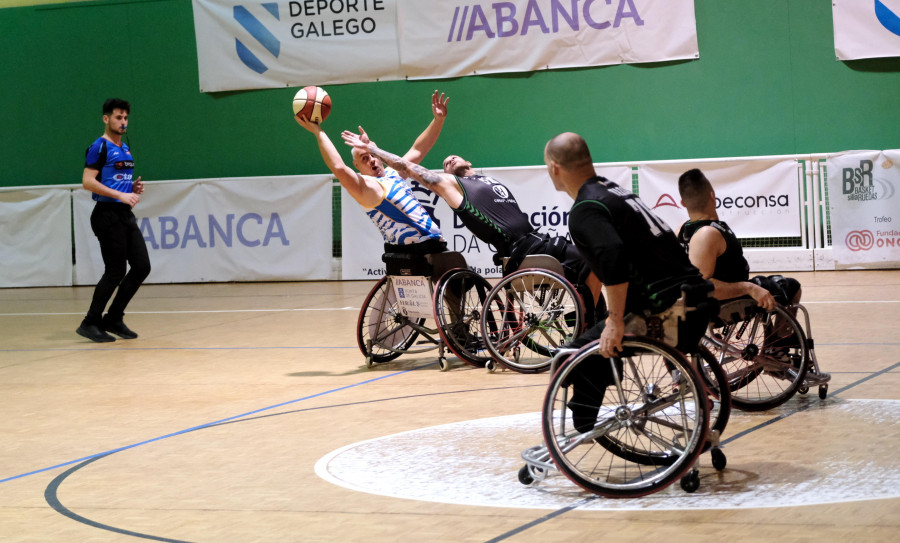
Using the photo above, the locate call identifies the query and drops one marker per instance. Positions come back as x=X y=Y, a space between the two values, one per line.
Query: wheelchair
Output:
x=529 y=315
x=424 y=303
x=632 y=424
x=767 y=356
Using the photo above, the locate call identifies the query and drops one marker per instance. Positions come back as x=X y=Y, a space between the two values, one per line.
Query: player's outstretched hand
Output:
x=439 y=104
x=356 y=140
x=307 y=124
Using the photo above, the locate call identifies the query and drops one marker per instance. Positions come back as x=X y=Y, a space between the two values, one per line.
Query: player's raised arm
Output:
x=403 y=166
x=429 y=136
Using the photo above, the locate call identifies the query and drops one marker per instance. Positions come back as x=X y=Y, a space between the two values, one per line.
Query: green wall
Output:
x=766 y=83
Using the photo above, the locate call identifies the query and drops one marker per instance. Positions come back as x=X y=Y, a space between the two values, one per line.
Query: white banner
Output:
x=240 y=229
x=294 y=43
x=866 y=28
x=254 y=45
x=452 y=38
x=547 y=209
x=757 y=198
x=865 y=209
x=35 y=238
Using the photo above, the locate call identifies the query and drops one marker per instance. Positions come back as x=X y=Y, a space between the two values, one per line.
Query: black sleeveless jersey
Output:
x=622 y=240
x=731 y=266
x=491 y=212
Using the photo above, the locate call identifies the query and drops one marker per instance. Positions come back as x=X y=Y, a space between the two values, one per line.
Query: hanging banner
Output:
x=866 y=28
x=547 y=209
x=239 y=229
x=452 y=38
x=294 y=43
x=35 y=238
x=865 y=209
x=757 y=198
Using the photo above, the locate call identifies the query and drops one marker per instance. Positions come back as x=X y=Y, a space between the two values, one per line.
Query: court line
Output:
x=208 y=424
x=190 y=311
x=558 y=512
x=288 y=310
x=52 y=489
x=92 y=347
x=51 y=493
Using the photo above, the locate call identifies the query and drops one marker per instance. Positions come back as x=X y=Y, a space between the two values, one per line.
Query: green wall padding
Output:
x=766 y=83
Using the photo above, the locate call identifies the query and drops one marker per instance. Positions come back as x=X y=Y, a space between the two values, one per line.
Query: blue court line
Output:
x=207 y=425
x=101 y=349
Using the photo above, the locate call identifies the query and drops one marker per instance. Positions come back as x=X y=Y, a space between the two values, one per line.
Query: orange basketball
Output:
x=313 y=102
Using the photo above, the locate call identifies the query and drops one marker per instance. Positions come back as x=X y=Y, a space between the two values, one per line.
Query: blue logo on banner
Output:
x=887 y=18
x=262 y=34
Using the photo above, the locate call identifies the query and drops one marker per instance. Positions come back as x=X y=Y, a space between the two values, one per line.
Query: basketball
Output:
x=313 y=102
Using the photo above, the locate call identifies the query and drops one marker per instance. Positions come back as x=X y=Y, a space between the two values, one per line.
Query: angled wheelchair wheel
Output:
x=458 y=300
x=763 y=354
x=528 y=315
x=627 y=426
x=382 y=333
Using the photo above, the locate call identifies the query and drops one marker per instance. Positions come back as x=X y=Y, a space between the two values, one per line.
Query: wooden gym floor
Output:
x=245 y=412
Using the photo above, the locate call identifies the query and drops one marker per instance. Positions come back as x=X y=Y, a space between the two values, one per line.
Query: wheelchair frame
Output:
x=529 y=314
x=768 y=356
x=636 y=447
x=384 y=332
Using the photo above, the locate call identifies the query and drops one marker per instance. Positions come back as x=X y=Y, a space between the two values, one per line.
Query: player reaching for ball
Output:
x=388 y=200
x=490 y=211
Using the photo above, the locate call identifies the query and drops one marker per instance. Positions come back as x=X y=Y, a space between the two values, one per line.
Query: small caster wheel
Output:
x=369 y=362
x=718 y=458
x=823 y=391
x=803 y=390
x=491 y=367
x=443 y=364
x=525 y=476
x=690 y=482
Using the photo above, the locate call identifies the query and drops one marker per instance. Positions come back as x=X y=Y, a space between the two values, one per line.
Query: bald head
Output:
x=570 y=151
x=569 y=162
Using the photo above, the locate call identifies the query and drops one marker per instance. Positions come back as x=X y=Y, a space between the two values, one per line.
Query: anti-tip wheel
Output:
x=443 y=364
x=491 y=366
x=369 y=362
x=690 y=482
x=525 y=476
x=718 y=458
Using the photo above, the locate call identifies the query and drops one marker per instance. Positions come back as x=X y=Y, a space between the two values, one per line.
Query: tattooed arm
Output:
x=444 y=185
x=403 y=166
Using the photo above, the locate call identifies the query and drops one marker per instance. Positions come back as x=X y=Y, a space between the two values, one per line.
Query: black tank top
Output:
x=731 y=266
x=490 y=211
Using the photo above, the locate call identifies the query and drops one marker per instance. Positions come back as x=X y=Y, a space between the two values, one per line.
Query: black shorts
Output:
x=575 y=268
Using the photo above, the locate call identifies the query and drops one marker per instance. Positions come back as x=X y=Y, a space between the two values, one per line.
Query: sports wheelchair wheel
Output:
x=636 y=435
x=382 y=333
x=458 y=301
x=527 y=316
x=763 y=353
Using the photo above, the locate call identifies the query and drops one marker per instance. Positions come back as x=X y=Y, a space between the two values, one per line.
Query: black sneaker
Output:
x=93 y=333
x=119 y=329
